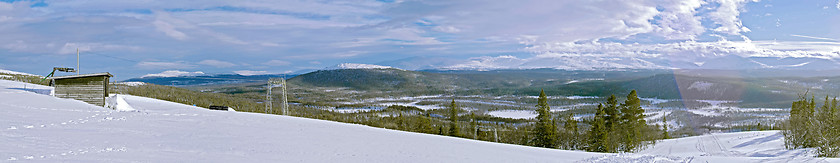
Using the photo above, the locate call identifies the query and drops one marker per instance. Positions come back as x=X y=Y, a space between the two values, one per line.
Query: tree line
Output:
x=812 y=127
x=614 y=127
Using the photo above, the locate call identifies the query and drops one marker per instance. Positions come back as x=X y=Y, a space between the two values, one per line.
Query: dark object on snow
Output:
x=90 y=88
x=214 y=107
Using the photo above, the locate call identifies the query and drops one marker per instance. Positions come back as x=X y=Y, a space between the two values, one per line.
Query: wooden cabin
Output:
x=90 y=88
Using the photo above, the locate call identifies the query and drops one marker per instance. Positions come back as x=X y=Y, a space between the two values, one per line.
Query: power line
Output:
x=119 y=58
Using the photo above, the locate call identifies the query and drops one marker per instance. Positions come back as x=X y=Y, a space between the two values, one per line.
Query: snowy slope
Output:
x=756 y=146
x=41 y=128
x=15 y=72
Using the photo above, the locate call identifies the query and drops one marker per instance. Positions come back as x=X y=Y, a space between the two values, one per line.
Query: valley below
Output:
x=692 y=102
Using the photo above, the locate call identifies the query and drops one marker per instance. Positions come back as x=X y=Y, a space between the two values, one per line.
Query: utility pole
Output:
x=77 y=61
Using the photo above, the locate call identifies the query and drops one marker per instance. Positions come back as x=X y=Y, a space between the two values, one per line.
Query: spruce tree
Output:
x=545 y=132
x=665 y=127
x=401 y=122
x=633 y=120
x=570 y=124
x=570 y=132
x=598 y=132
x=473 y=125
x=424 y=125
x=612 y=120
x=454 y=130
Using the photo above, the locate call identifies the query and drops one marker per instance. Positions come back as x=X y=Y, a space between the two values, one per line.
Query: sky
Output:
x=147 y=37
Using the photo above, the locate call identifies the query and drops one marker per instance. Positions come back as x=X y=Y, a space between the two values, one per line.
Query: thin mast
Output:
x=77 y=61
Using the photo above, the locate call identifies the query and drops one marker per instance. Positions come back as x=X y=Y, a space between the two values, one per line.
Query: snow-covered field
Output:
x=41 y=128
x=515 y=114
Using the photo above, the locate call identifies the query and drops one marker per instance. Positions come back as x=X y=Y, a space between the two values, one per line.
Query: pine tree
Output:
x=473 y=125
x=633 y=120
x=570 y=138
x=401 y=122
x=598 y=132
x=665 y=127
x=424 y=125
x=823 y=132
x=454 y=130
x=544 y=130
x=570 y=123
x=612 y=120
x=796 y=132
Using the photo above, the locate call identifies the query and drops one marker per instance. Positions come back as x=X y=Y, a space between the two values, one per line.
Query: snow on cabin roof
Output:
x=83 y=75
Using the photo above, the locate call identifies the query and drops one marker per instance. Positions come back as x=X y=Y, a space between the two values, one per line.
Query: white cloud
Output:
x=216 y=63
x=165 y=65
x=162 y=24
x=256 y=20
x=18 y=45
x=277 y=63
x=329 y=31
x=174 y=73
x=70 y=47
x=814 y=37
x=552 y=20
x=611 y=55
x=250 y=72
x=447 y=29
x=5 y=6
x=269 y=44
x=348 y=54
x=678 y=20
x=487 y=62
x=169 y=24
x=727 y=16
x=692 y=50
x=555 y=60
x=5 y=18
x=572 y=21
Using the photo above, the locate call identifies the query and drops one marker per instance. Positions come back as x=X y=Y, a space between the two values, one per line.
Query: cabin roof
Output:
x=83 y=75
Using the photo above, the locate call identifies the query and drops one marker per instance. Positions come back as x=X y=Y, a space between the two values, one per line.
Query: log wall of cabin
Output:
x=92 y=90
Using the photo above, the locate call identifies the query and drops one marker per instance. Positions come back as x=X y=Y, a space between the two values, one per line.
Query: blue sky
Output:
x=135 y=38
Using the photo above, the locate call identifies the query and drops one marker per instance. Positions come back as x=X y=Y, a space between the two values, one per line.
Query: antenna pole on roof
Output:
x=77 y=61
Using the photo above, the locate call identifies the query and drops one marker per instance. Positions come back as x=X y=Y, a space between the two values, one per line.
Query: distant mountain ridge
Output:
x=571 y=62
x=356 y=66
x=753 y=87
x=208 y=79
